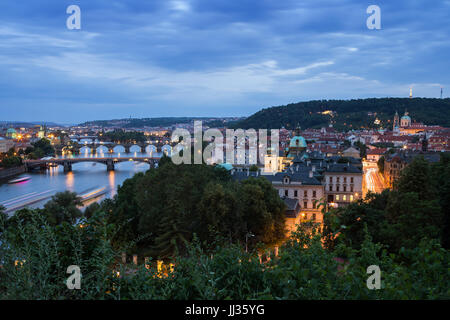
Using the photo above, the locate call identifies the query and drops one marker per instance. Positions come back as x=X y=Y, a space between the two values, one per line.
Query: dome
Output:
x=10 y=130
x=298 y=142
x=406 y=118
x=226 y=166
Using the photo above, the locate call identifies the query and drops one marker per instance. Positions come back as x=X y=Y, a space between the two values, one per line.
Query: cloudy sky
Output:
x=150 y=58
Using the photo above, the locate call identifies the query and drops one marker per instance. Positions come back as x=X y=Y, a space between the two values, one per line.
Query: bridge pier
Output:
x=110 y=165
x=67 y=166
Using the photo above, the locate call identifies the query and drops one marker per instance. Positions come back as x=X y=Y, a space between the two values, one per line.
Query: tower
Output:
x=410 y=92
x=396 y=122
x=441 y=92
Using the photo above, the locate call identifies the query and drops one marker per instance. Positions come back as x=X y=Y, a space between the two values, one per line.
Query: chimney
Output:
x=311 y=174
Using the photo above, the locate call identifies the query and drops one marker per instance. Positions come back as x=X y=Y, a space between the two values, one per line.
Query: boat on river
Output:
x=18 y=180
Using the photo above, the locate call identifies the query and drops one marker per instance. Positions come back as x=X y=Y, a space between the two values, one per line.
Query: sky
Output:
x=158 y=58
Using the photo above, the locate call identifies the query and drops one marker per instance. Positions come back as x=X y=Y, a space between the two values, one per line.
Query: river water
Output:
x=85 y=177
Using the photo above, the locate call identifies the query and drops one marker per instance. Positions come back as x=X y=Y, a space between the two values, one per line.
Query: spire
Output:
x=410 y=92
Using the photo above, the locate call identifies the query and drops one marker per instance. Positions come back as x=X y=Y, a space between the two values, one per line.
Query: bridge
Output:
x=75 y=147
x=68 y=162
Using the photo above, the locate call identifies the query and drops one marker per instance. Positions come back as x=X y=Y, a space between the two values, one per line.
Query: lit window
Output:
x=337 y=197
x=351 y=198
x=344 y=197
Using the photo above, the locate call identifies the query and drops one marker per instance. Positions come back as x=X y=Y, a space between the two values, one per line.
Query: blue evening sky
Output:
x=150 y=58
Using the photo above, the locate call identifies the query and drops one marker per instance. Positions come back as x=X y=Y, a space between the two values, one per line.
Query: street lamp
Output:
x=249 y=234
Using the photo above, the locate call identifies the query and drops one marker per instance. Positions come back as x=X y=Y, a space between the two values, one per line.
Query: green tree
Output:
x=63 y=207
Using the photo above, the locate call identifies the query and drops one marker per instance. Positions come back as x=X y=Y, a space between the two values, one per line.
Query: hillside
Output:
x=349 y=114
x=158 y=122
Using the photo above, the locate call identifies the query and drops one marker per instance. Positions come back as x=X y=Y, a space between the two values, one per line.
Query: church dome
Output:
x=226 y=166
x=298 y=142
x=405 y=117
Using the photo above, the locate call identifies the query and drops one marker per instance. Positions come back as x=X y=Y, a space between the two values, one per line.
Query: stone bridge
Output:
x=76 y=147
x=67 y=163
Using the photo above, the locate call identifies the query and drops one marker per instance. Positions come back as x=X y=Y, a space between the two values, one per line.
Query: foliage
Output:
x=304 y=269
x=399 y=218
x=348 y=114
x=10 y=159
x=125 y=136
x=40 y=149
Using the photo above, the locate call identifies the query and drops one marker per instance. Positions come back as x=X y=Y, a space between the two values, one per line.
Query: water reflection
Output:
x=84 y=176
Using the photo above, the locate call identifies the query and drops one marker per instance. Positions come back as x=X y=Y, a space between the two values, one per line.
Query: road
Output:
x=374 y=182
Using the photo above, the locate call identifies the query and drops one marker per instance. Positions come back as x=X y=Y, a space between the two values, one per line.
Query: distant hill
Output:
x=158 y=122
x=349 y=114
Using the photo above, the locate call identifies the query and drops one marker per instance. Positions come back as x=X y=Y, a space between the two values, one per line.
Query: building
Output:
x=409 y=127
x=5 y=145
x=343 y=183
x=309 y=181
x=374 y=155
x=395 y=163
x=11 y=133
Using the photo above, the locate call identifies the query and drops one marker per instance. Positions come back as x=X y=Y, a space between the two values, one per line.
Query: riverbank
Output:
x=11 y=172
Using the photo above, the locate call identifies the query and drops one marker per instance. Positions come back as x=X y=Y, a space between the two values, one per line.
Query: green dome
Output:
x=298 y=142
x=226 y=166
x=406 y=118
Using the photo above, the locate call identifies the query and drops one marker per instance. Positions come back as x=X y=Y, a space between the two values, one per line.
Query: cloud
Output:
x=214 y=57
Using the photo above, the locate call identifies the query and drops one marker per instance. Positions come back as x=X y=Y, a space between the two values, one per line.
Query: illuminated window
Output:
x=337 y=197
x=344 y=197
x=351 y=198
x=305 y=204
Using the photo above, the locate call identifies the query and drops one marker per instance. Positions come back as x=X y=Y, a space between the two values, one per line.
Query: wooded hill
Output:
x=349 y=114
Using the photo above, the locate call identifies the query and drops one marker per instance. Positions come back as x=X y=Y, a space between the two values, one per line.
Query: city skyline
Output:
x=203 y=58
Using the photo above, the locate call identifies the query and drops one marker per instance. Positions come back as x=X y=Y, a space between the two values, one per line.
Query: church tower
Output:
x=396 y=122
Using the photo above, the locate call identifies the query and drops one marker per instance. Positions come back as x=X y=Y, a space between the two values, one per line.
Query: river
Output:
x=85 y=177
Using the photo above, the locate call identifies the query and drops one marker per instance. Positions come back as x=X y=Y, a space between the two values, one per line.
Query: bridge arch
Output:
x=150 y=149
x=167 y=150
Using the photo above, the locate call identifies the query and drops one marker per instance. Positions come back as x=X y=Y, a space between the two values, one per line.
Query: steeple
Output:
x=396 y=122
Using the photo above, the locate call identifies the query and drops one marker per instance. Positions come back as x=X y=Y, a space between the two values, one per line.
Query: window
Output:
x=331 y=179
x=337 y=188
x=351 y=188
x=344 y=197
x=337 y=179
x=351 y=198
x=345 y=179
x=286 y=192
x=331 y=188
x=337 y=197
x=314 y=217
x=345 y=188
x=305 y=204
x=305 y=193
x=314 y=205
x=314 y=193
x=295 y=193
x=351 y=180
